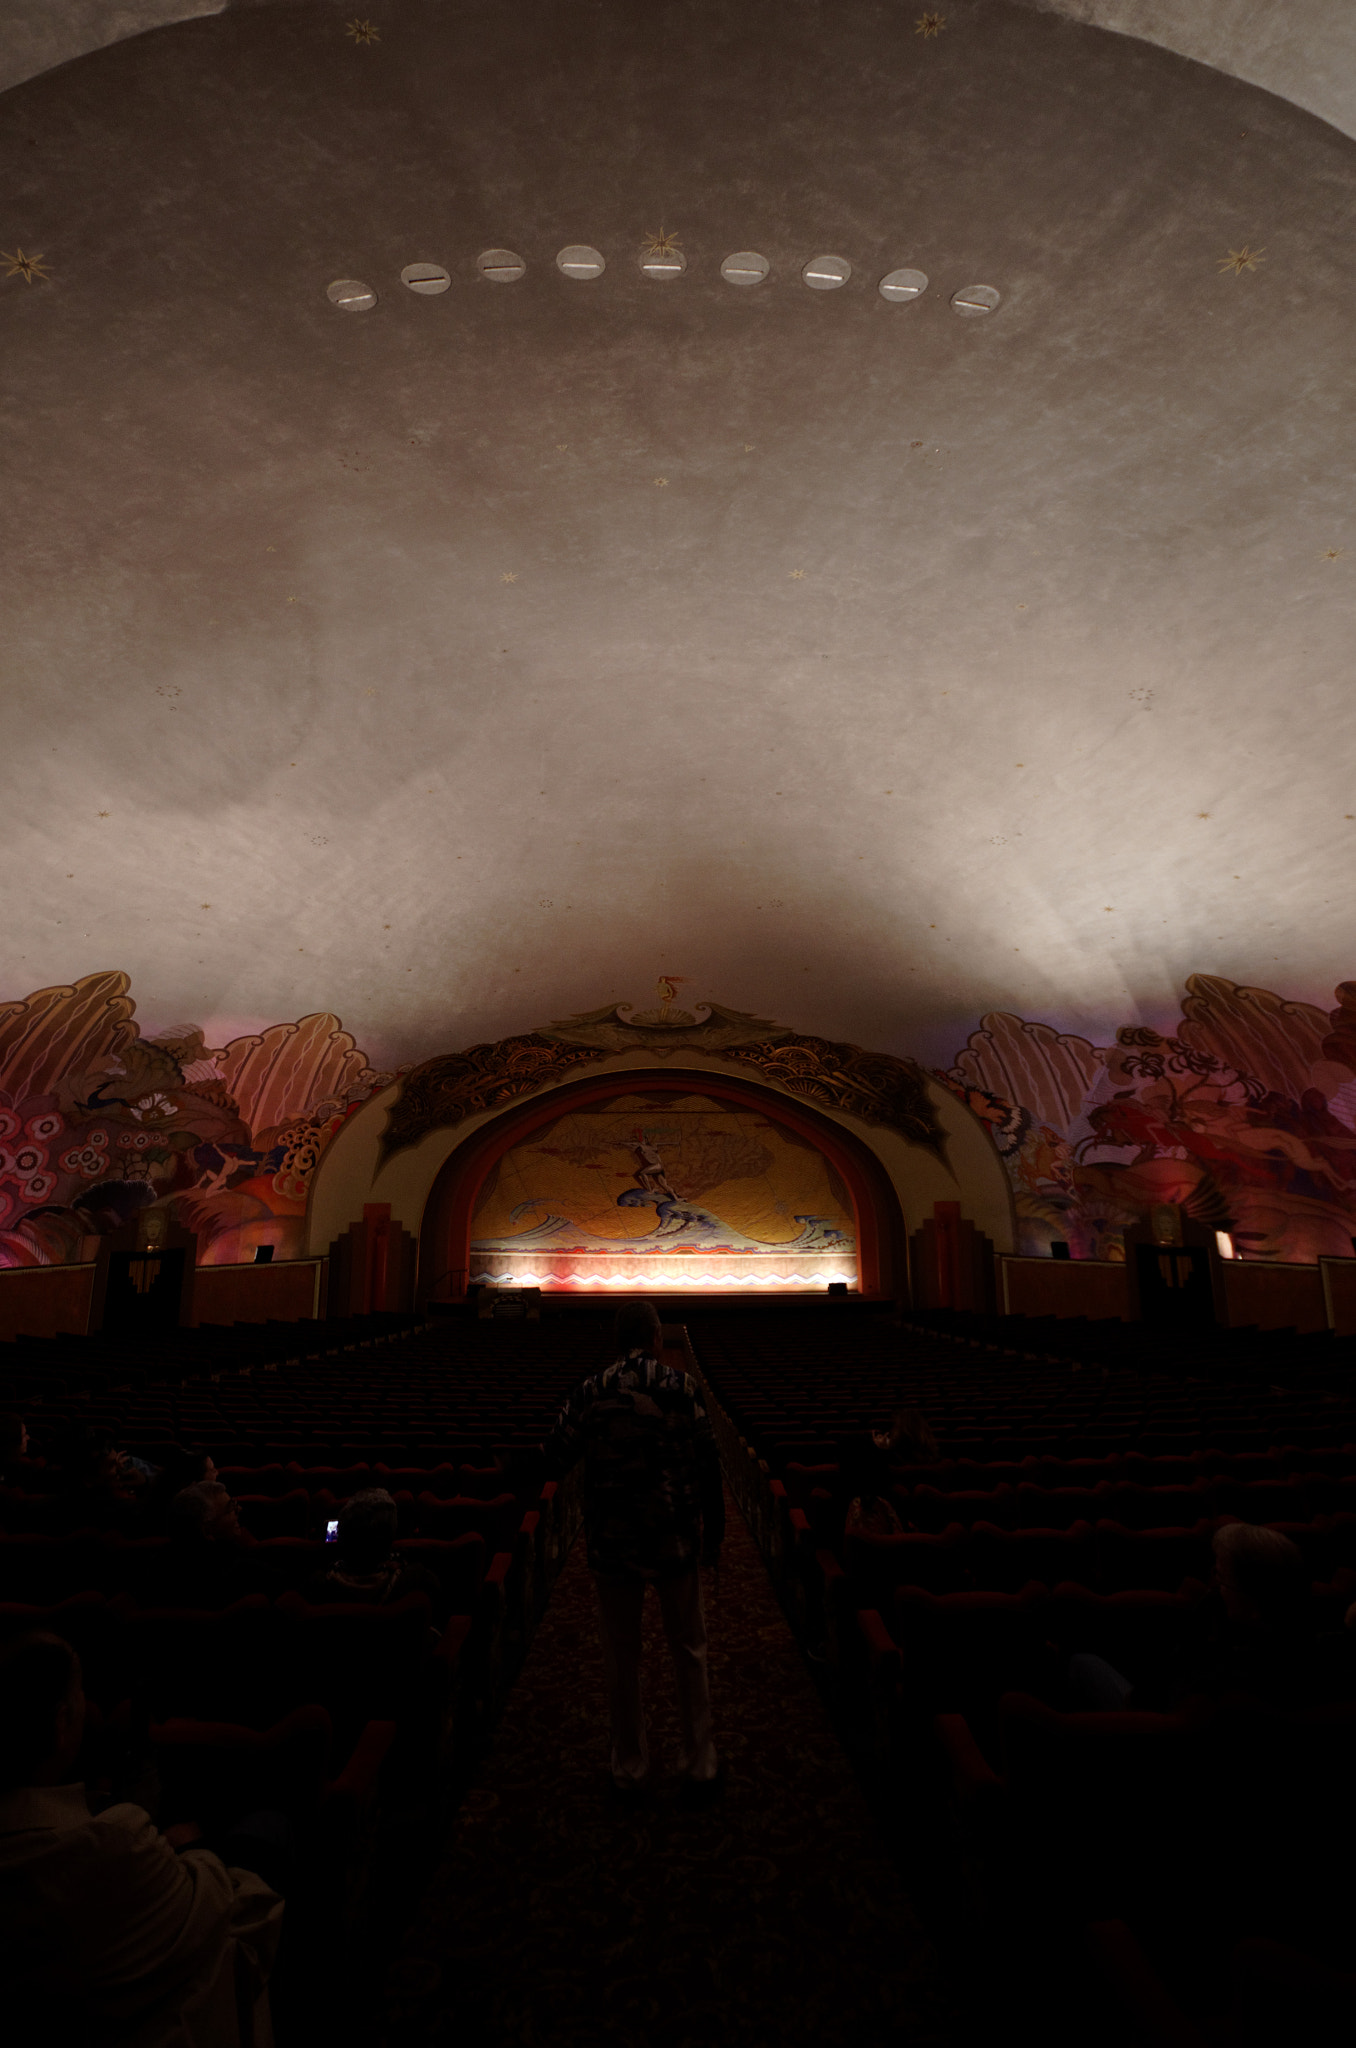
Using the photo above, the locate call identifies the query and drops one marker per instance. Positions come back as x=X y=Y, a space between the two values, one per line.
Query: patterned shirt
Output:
x=653 y=1500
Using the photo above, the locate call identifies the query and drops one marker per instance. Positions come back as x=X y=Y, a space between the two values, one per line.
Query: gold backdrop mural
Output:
x=664 y=1189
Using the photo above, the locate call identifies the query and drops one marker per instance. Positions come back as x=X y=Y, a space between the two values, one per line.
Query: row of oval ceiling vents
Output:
x=663 y=261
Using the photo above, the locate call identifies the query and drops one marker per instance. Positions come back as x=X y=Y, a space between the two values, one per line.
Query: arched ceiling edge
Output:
x=1308 y=58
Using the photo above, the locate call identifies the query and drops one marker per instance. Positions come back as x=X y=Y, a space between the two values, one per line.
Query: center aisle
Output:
x=559 y=1920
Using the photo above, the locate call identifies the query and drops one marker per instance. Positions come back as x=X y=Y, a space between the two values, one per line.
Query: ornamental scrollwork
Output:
x=874 y=1086
x=443 y=1092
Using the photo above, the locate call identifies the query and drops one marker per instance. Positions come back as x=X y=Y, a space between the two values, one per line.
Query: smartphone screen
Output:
x=331 y=1532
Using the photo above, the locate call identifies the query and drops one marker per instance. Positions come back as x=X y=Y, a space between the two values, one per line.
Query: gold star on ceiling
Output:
x=661 y=244
x=796 y=575
x=26 y=267
x=509 y=576
x=929 y=25
x=362 y=31
x=1239 y=260
x=1332 y=554
x=661 y=483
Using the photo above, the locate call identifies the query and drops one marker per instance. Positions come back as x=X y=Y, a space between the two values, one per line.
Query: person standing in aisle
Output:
x=654 y=1512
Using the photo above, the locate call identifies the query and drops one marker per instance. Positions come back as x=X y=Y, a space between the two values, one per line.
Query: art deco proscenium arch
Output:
x=445 y=1231
x=877 y=1088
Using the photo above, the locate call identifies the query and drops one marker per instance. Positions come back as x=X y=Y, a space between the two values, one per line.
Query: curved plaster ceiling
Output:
x=471 y=661
x=1304 y=51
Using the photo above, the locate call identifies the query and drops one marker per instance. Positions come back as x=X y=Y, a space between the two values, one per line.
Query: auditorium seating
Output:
x=328 y=1703
x=1081 y=1479
x=1071 y=1509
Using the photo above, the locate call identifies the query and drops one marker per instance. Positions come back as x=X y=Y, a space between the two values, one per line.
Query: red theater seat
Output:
x=285 y=1514
x=1006 y=1560
x=498 y=1520
x=189 y=1662
x=877 y=1564
x=1059 y=1507
x=1152 y=1558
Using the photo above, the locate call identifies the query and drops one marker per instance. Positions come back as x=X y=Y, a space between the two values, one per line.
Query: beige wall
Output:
x=349 y=1173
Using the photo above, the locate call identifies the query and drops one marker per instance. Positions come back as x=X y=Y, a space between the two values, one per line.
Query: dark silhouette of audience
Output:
x=907 y=1439
x=110 y=1930
x=17 y=1468
x=102 y=1485
x=865 y=1481
x=365 y=1568
x=1260 y=1643
x=181 y=1469
x=207 y=1566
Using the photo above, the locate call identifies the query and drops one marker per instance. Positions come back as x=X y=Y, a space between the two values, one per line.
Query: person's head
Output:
x=204 y=1513
x=1261 y=1573
x=95 y=1459
x=367 y=1528
x=13 y=1438
x=636 y=1327
x=42 y=1710
x=911 y=1438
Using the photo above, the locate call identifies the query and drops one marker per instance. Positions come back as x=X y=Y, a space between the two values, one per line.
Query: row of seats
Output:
x=93 y=1365
x=255 y=1661
x=1315 y=1358
x=1076 y=1522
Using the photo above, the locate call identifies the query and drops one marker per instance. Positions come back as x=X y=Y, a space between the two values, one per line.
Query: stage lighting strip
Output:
x=708 y=1280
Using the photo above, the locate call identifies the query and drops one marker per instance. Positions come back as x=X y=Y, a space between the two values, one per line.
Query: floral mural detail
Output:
x=1245 y=1115
x=98 y=1123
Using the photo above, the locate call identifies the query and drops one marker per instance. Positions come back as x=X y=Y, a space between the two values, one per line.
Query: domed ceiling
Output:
x=475 y=659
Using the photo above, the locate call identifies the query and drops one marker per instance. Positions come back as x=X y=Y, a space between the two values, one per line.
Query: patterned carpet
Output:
x=558 y=1920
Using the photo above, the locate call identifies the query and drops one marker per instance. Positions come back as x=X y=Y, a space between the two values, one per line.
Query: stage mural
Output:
x=98 y=1123
x=658 y=1189
x=1245 y=1114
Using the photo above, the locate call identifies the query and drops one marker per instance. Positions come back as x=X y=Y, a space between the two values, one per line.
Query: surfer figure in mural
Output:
x=651 y=1173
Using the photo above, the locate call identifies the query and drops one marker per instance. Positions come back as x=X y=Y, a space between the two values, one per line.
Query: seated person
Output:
x=864 y=1476
x=207 y=1565
x=1261 y=1643
x=908 y=1439
x=102 y=1485
x=365 y=1569
x=109 y=1930
x=180 y=1469
x=17 y=1467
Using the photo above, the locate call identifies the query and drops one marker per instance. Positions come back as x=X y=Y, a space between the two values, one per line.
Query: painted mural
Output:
x=98 y=1123
x=1245 y=1114
x=660 y=1188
